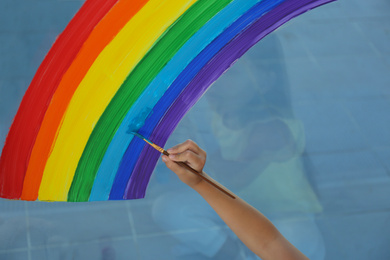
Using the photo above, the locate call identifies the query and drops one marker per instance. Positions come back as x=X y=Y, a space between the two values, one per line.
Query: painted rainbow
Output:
x=123 y=64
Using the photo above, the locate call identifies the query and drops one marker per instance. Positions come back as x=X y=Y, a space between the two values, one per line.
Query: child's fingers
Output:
x=190 y=153
x=192 y=159
x=172 y=165
x=187 y=145
x=185 y=175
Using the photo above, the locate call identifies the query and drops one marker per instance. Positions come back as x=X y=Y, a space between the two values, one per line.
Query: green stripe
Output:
x=145 y=71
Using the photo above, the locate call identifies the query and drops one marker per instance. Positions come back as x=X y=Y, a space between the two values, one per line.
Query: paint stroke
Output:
x=128 y=161
x=146 y=67
x=21 y=137
x=154 y=91
x=100 y=37
x=161 y=53
x=209 y=73
x=97 y=89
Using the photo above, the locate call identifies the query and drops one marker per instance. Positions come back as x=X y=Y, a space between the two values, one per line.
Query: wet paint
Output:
x=140 y=72
x=97 y=89
x=174 y=111
x=101 y=35
x=24 y=129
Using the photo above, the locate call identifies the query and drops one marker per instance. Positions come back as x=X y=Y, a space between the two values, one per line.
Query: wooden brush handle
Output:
x=206 y=179
x=182 y=164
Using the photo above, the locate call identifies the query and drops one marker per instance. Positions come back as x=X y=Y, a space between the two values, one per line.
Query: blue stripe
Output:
x=143 y=106
x=131 y=156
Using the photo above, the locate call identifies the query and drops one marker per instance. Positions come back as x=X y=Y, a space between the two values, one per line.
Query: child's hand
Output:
x=190 y=153
x=251 y=227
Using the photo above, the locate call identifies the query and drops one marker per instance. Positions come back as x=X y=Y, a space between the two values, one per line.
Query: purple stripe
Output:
x=209 y=73
x=130 y=158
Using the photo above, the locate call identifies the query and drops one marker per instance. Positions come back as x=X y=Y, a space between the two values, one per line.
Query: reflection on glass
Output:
x=254 y=143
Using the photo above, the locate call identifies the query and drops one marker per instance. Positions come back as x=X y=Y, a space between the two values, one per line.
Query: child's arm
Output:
x=251 y=227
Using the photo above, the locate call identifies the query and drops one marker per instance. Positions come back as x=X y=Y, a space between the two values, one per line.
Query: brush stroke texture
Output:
x=141 y=76
x=143 y=64
x=187 y=75
x=99 y=86
x=102 y=35
x=208 y=74
x=21 y=137
x=154 y=91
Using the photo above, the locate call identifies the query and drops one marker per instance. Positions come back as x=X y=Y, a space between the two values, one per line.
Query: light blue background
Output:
x=314 y=98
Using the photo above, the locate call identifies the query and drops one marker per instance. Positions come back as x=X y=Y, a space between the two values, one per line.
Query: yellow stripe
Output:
x=99 y=86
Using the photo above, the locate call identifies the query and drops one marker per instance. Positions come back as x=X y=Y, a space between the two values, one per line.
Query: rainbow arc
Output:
x=120 y=66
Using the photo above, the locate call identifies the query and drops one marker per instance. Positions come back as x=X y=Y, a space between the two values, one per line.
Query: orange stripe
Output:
x=100 y=37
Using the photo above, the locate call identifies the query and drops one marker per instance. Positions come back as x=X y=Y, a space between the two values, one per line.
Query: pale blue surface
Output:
x=329 y=69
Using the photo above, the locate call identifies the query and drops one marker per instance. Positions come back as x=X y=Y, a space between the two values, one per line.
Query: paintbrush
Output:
x=182 y=164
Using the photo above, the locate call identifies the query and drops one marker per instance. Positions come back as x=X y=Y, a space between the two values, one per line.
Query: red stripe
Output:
x=24 y=129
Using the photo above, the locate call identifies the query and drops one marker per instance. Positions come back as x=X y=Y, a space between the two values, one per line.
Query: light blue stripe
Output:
x=141 y=108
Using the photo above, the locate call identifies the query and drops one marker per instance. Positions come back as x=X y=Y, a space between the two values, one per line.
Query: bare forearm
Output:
x=250 y=226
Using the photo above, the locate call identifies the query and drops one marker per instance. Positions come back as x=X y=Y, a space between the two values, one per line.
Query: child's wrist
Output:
x=200 y=184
